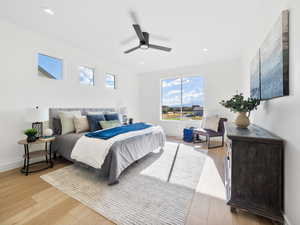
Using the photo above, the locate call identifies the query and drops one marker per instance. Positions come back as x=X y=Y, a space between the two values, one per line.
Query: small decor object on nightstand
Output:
x=31 y=134
x=130 y=121
x=47 y=133
x=242 y=106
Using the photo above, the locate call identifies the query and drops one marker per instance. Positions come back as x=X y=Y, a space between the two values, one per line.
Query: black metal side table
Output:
x=34 y=154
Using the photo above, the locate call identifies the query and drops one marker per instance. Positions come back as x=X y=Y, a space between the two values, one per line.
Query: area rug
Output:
x=156 y=190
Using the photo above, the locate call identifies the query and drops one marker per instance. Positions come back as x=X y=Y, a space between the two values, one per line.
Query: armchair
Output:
x=210 y=134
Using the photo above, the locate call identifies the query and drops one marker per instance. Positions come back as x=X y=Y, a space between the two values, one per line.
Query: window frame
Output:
x=181 y=77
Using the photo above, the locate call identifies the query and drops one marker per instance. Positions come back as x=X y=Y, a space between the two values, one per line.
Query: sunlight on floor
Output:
x=210 y=182
x=160 y=167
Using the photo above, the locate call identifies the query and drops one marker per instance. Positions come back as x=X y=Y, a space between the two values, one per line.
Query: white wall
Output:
x=222 y=80
x=21 y=88
x=282 y=115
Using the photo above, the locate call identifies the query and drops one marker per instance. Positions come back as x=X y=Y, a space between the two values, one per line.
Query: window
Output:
x=182 y=98
x=86 y=75
x=110 y=81
x=50 y=67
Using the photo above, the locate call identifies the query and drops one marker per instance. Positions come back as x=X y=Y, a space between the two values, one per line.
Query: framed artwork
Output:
x=39 y=127
x=255 y=91
x=86 y=75
x=274 y=60
x=50 y=67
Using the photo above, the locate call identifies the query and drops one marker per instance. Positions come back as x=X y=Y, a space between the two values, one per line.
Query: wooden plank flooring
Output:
x=31 y=201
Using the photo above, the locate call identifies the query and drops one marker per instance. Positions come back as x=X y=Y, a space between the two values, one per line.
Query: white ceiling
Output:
x=223 y=27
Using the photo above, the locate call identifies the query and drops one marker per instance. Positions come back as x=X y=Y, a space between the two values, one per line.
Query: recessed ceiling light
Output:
x=205 y=50
x=49 y=11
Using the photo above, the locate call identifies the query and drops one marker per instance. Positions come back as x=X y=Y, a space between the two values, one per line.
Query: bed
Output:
x=121 y=154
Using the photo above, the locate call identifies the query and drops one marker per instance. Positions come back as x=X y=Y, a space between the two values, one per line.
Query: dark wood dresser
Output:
x=254 y=171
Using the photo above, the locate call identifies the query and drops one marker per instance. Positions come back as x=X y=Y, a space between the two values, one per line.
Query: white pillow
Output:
x=67 y=121
x=81 y=124
x=211 y=123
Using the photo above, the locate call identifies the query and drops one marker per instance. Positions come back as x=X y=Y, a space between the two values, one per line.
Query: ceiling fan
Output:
x=144 y=41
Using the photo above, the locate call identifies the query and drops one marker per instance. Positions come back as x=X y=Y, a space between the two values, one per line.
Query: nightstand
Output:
x=34 y=154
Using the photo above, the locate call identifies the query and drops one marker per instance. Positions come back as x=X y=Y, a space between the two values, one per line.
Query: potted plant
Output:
x=242 y=106
x=31 y=134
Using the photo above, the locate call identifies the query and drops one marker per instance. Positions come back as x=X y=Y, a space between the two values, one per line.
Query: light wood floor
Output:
x=31 y=201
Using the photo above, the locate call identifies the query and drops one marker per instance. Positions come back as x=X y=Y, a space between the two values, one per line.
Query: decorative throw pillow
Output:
x=112 y=116
x=94 y=121
x=211 y=123
x=109 y=124
x=81 y=124
x=67 y=121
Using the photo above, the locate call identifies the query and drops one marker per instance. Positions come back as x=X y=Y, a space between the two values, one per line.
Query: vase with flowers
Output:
x=239 y=104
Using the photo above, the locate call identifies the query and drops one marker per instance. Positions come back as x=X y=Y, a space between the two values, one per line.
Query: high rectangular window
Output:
x=86 y=75
x=50 y=67
x=182 y=98
x=110 y=81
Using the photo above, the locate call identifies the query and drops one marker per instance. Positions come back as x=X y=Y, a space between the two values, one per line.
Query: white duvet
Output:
x=92 y=151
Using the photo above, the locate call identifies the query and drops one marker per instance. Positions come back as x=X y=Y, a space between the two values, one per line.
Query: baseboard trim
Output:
x=17 y=164
x=286 y=220
x=11 y=165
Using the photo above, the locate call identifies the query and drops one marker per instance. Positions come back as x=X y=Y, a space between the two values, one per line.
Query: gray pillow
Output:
x=56 y=126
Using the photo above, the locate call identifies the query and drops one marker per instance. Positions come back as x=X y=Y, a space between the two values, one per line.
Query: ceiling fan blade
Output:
x=146 y=37
x=134 y=17
x=139 y=32
x=160 y=48
x=132 y=49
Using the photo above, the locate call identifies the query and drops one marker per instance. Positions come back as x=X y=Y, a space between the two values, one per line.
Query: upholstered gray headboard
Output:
x=53 y=112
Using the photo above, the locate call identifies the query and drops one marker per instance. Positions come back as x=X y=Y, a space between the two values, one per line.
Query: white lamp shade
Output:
x=37 y=115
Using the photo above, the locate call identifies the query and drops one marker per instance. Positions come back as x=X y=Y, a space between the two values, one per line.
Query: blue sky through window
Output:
x=86 y=75
x=192 y=91
x=50 y=67
x=110 y=81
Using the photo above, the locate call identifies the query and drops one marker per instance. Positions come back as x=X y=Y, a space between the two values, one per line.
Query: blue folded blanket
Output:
x=112 y=132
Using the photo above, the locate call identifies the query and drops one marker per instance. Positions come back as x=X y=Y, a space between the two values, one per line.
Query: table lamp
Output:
x=37 y=116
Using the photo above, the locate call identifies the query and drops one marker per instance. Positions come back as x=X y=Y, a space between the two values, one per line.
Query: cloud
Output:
x=170 y=83
x=109 y=77
x=171 y=101
x=173 y=92
x=192 y=94
x=193 y=97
